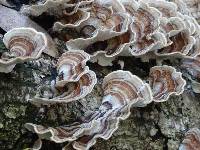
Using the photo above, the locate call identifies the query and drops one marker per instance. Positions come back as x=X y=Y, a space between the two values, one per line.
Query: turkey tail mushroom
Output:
x=121 y=91
x=71 y=66
x=145 y=27
x=24 y=44
x=74 y=80
x=11 y=19
x=165 y=81
x=182 y=44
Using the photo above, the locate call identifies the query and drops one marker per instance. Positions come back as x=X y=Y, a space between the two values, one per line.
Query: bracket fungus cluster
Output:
x=23 y=44
x=122 y=27
x=74 y=80
x=165 y=81
x=121 y=91
x=103 y=30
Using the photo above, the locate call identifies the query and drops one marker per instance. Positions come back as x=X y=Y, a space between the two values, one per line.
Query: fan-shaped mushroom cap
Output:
x=121 y=91
x=70 y=91
x=183 y=36
x=171 y=27
x=105 y=28
x=168 y=9
x=74 y=80
x=194 y=27
x=11 y=19
x=71 y=66
x=171 y=23
x=182 y=44
x=66 y=12
x=124 y=81
x=24 y=44
x=107 y=19
x=71 y=21
x=144 y=26
x=107 y=15
x=191 y=140
x=165 y=81
x=104 y=41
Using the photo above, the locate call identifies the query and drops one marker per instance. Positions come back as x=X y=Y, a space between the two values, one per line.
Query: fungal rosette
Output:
x=125 y=37
x=71 y=66
x=165 y=81
x=67 y=13
x=191 y=140
x=134 y=28
x=121 y=91
x=192 y=27
x=144 y=27
x=104 y=16
x=107 y=15
x=107 y=22
x=178 y=29
x=182 y=44
x=123 y=80
x=123 y=27
x=23 y=44
x=74 y=80
x=170 y=22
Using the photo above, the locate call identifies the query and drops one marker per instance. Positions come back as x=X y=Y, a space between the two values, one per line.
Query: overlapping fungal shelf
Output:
x=102 y=30
x=121 y=91
x=23 y=44
x=74 y=80
x=165 y=81
x=123 y=27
